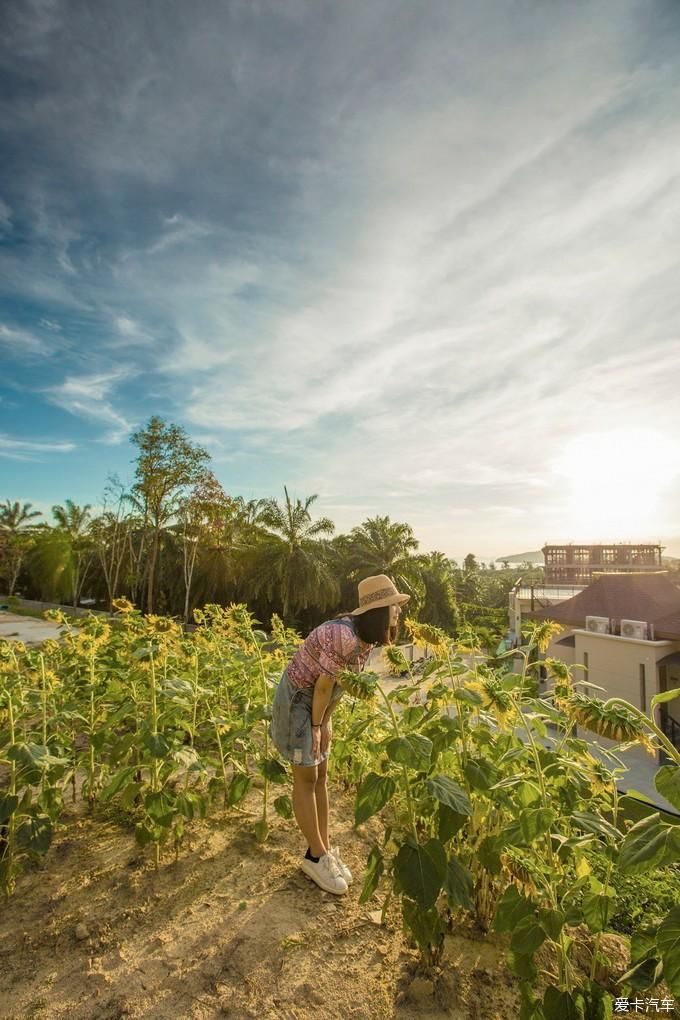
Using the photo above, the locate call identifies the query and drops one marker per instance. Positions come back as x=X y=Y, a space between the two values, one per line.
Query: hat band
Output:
x=381 y=593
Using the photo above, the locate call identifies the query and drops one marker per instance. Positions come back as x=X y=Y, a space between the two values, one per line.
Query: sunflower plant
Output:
x=29 y=794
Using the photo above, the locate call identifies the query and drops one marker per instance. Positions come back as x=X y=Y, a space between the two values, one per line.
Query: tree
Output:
x=73 y=524
x=382 y=547
x=290 y=563
x=108 y=533
x=250 y=512
x=167 y=465
x=200 y=523
x=470 y=563
x=439 y=607
x=16 y=533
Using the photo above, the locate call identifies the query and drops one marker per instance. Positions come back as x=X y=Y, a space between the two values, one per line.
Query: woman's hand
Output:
x=316 y=742
x=326 y=735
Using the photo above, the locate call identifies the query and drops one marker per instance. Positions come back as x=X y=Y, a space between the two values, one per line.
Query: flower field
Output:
x=147 y=839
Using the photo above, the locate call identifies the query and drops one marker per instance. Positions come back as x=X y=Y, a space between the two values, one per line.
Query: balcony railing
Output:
x=671 y=728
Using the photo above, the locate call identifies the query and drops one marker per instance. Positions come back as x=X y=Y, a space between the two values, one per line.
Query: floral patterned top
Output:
x=331 y=647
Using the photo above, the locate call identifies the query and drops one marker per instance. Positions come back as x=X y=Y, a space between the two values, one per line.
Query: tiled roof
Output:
x=649 y=597
x=668 y=626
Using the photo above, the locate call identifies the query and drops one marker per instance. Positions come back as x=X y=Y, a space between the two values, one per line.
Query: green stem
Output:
x=610 y=862
x=221 y=753
x=154 y=761
x=462 y=718
x=12 y=791
x=266 y=726
x=193 y=714
x=562 y=959
x=195 y=706
x=404 y=769
x=92 y=721
x=43 y=703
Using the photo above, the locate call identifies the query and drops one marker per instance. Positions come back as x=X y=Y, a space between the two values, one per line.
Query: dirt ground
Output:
x=232 y=929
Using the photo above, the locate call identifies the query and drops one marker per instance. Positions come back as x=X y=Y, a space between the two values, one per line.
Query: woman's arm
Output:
x=323 y=689
x=329 y=711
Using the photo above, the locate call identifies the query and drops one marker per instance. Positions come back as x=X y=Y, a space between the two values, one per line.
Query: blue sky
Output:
x=420 y=259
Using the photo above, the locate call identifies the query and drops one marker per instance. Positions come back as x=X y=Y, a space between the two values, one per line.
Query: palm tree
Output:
x=439 y=607
x=15 y=536
x=290 y=562
x=382 y=547
x=73 y=522
x=249 y=512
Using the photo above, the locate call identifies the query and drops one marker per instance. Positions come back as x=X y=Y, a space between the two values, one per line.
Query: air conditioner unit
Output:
x=597 y=624
x=634 y=629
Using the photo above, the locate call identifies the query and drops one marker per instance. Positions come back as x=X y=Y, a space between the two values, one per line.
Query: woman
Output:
x=304 y=703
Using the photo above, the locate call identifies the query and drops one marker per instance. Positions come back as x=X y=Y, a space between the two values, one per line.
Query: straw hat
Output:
x=378 y=591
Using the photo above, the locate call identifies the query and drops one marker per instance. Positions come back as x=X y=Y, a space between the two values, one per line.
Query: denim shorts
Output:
x=291 y=725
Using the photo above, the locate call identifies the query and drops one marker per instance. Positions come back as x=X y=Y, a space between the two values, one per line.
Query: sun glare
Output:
x=613 y=484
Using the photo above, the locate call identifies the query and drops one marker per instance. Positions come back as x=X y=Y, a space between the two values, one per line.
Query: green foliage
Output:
x=473 y=812
x=640 y=898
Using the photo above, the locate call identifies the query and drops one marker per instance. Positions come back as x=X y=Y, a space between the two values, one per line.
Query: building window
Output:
x=608 y=555
x=643 y=688
x=582 y=555
x=555 y=555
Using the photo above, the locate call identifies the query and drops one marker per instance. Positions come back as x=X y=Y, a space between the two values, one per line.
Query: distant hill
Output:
x=527 y=557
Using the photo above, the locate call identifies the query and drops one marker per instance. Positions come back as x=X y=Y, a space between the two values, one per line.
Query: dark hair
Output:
x=373 y=626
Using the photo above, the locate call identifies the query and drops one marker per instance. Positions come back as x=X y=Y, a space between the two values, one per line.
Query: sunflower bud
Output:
x=613 y=722
x=396 y=659
x=427 y=636
x=362 y=686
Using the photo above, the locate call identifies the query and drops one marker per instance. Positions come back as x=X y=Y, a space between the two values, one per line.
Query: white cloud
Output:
x=178 y=230
x=128 y=332
x=127 y=327
x=50 y=324
x=30 y=449
x=22 y=342
x=87 y=397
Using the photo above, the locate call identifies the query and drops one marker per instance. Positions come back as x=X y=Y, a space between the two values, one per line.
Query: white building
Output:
x=624 y=629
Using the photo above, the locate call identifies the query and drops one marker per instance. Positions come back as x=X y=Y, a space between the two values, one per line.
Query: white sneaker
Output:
x=344 y=870
x=326 y=873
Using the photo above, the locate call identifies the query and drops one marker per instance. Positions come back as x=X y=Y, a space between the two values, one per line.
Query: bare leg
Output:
x=304 y=806
x=321 y=795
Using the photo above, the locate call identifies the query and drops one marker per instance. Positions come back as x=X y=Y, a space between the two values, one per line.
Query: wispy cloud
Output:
x=178 y=230
x=30 y=449
x=128 y=333
x=88 y=397
x=50 y=324
x=21 y=342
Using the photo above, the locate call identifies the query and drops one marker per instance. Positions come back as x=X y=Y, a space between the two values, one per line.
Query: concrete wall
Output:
x=565 y=653
x=614 y=664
